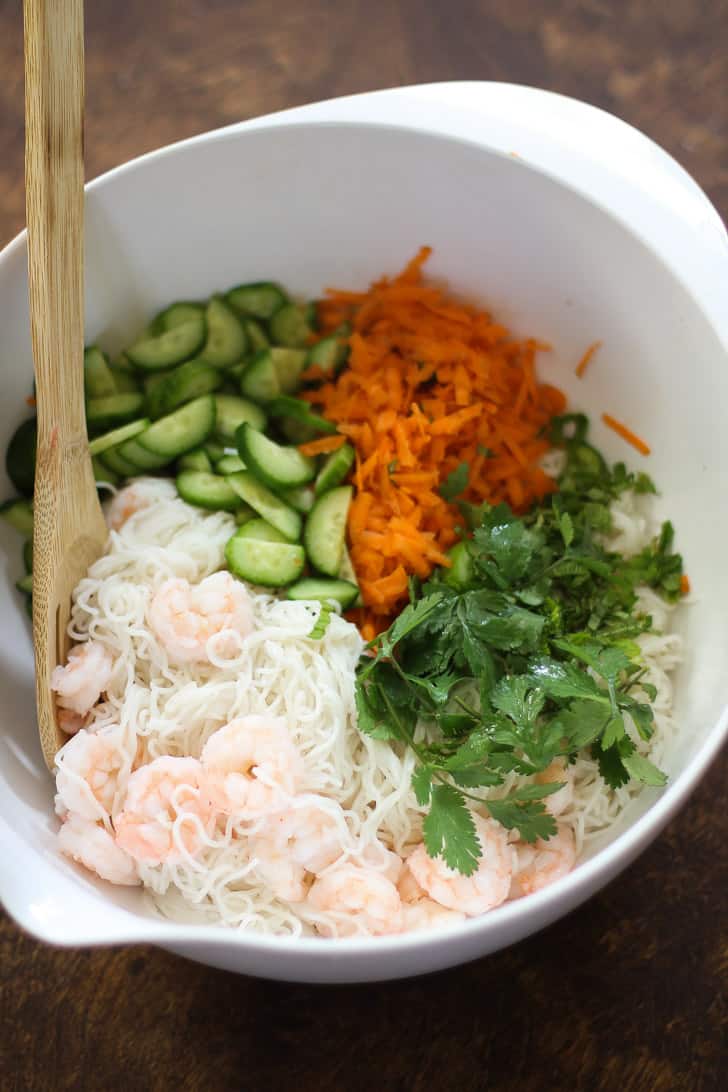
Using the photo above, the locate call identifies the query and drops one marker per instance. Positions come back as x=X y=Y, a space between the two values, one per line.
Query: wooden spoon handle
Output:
x=54 y=187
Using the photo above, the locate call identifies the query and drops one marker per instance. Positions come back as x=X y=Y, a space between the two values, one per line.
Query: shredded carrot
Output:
x=684 y=584
x=583 y=364
x=431 y=382
x=30 y=401
x=626 y=434
x=323 y=446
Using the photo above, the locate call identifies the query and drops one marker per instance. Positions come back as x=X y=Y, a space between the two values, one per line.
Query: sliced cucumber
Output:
x=227 y=340
x=289 y=326
x=177 y=314
x=295 y=409
x=461 y=572
x=267 y=504
x=118 y=436
x=154 y=380
x=207 y=491
x=102 y=474
x=123 y=364
x=195 y=460
x=232 y=412
x=98 y=379
x=288 y=364
x=259 y=381
x=346 y=572
x=19 y=514
x=181 y=431
x=113 y=409
x=341 y=591
x=139 y=457
x=20 y=457
x=258 y=300
x=257 y=337
x=262 y=530
x=270 y=564
x=25 y=584
x=301 y=498
x=214 y=450
x=188 y=381
x=118 y=464
x=325 y=531
x=275 y=465
x=329 y=354
x=245 y=514
x=229 y=464
x=335 y=468
x=125 y=382
x=28 y=555
x=174 y=346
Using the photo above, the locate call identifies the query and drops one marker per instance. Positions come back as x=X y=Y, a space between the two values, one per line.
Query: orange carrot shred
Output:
x=323 y=446
x=626 y=434
x=30 y=401
x=583 y=364
x=684 y=584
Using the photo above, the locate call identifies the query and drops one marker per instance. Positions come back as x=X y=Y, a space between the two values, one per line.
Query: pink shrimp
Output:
x=562 y=799
x=307 y=837
x=357 y=897
x=252 y=766
x=92 y=846
x=486 y=888
x=88 y=768
x=542 y=863
x=184 y=617
x=86 y=675
x=419 y=911
x=127 y=502
x=166 y=811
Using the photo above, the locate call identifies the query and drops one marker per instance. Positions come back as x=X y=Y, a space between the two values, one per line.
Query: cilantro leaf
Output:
x=455 y=483
x=530 y=819
x=641 y=769
x=422 y=784
x=449 y=831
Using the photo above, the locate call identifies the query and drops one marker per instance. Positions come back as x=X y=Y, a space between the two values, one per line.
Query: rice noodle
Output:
x=154 y=707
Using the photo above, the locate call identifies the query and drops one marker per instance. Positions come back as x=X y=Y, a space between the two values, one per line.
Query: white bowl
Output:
x=571 y=226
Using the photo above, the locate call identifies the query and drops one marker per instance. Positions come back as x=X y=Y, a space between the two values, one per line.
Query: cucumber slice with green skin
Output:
x=125 y=382
x=28 y=555
x=284 y=518
x=98 y=379
x=341 y=591
x=25 y=584
x=269 y=564
x=245 y=514
x=301 y=498
x=195 y=460
x=112 y=410
x=154 y=380
x=118 y=464
x=325 y=532
x=335 y=468
x=259 y=381
x=155 y=354
x=20 y=457
x=309 y=311
x=257 y=300
x=186 y=428
x=257 y=337
x=102 y=474
x=346 y=572
x=288 y=364
x=188 y=381
x=301 y=412
x=232 y=412
x=19 y=514
x=235 y=373
x=277 y=466
x=214 y=450
x=461 y=572
x=227 y=340
x=177 y=314
x=289 y=326
x=206 y=490
x=141 y=460
x=123 y=364
x=262 y=530
x=118 y=436
x=330 y=354
x=229 y=464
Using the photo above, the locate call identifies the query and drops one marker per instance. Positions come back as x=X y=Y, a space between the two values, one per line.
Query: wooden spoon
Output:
x=69 y=530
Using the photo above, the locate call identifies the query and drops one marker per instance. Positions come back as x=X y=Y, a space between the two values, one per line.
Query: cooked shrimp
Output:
x=93 y=847
x=68 y=721
x=184 y=617
x=87 y=778
x=420 y=912
x=127 y=502
x=305 y=838
x=486 y=888
x=87 y=672
x=383 y=860
x=542 y=863
x=166 y=811
x=357 y=896
x=252 y=766
x=562 y=799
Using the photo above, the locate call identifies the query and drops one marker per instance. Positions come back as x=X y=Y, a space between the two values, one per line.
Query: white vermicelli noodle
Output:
x=155 y=706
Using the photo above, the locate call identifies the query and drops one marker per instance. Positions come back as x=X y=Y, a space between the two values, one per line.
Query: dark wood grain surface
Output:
x=628 y=993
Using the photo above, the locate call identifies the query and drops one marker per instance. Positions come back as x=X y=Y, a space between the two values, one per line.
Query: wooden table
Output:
x=626 y=994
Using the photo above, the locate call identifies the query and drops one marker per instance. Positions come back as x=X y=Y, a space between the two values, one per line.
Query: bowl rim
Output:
x=591 y=874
